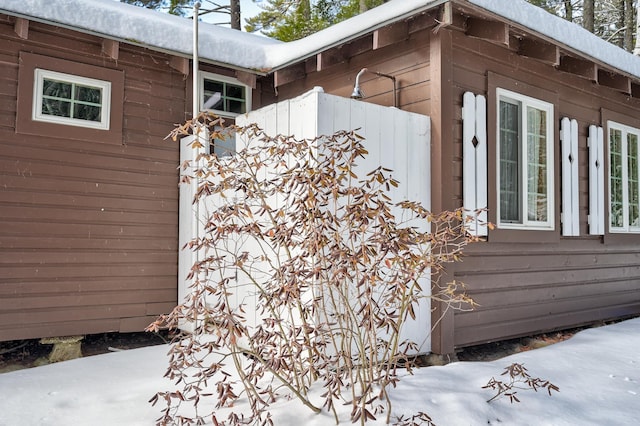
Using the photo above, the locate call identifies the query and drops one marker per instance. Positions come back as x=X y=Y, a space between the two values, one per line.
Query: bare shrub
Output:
x=519 y=379
x=332 y=268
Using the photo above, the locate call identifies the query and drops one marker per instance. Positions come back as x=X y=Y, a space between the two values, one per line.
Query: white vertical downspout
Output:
x=196 y=59
x=189 y=223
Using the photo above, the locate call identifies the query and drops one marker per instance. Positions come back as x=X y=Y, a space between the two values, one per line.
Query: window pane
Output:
x=632 y=168
x=56 y=107
x=224 y=97
x=615 y=141
x=509 y=162
x=234 y=91
x=213 y=95
x=89 y=94
x=235 y=106
x=56 y=89
x=212 y=100
x=213 y=86
x=224 y=147
x=536 y=165
x=87 y=112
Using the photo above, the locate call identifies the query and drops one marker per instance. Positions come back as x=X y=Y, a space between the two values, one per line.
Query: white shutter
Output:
x=468 y=155
x=596 y=180
x=570 y=183
x=474 y=162
x=481 y=164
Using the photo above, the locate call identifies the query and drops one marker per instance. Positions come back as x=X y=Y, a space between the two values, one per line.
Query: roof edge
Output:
x=288 y=60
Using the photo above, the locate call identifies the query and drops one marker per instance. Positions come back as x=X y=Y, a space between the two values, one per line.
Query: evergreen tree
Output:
x=288 y=20
x=588 y=15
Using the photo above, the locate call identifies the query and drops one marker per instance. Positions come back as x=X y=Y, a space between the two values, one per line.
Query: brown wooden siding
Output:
x=88 y=241
x=89 y=230
x=524 y=286
x=524 y=281
x=408 y=61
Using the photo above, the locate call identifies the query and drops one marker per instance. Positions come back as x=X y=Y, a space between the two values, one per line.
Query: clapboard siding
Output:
x=545 y=289
x=88 y=241
x=97 y=284
x=524 y=282
x=408 y=61
x=524 y=288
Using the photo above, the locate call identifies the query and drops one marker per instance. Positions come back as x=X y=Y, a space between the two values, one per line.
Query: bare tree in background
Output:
x=611 y=20
x=588 y=15
x=568 y=10
x=629 y=24
x=235 y=14
x=636 y=50
x=232 y=9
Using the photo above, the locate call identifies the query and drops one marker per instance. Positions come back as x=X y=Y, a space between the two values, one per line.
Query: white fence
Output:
x=395 y=139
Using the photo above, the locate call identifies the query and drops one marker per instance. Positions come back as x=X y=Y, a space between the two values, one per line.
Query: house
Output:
x=530 y=116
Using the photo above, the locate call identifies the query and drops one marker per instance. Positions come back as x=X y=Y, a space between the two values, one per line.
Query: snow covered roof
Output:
x=524 y=14
x=564 y=32
x=148 y=28
x=236 y=49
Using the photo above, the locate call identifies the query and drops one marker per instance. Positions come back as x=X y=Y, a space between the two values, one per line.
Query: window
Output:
x=34 y=69
x=525 y=162
x=624 y=178
x=224 y=146
x=224 y=96
x=72 y=100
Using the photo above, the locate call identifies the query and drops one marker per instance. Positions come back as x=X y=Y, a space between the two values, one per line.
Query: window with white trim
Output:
x=71 y=100
x=525 y=162
x=226 y=97
x=624 y=178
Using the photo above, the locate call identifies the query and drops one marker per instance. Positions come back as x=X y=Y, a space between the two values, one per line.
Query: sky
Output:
x=248 y=8
x=597 y=372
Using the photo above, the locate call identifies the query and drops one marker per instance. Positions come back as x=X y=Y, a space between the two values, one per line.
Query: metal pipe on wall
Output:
x=196 y=59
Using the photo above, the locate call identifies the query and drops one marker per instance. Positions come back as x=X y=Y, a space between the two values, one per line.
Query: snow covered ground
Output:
x=597 y=371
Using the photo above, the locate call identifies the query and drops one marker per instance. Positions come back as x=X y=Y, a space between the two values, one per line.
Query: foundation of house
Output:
x=64 y=348
x=438 y=359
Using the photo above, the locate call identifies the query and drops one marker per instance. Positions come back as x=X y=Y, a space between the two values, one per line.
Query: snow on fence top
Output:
x=249 y=51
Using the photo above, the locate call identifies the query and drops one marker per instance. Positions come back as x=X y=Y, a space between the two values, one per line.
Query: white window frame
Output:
x=224 y=79
x=524 y=102
x=105 y=86
x=624 y=130
x=225 y=147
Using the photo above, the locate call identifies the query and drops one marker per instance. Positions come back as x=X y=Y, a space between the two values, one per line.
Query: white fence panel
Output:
x=397 y=140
